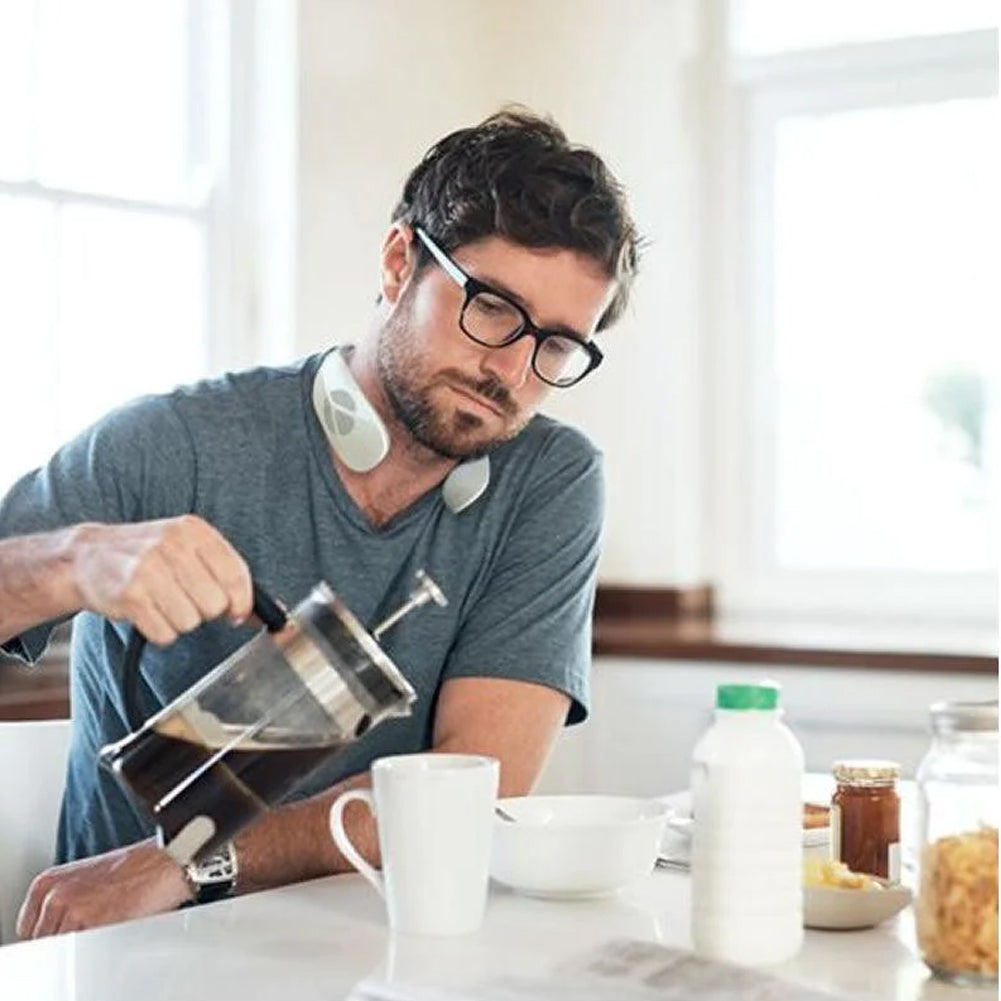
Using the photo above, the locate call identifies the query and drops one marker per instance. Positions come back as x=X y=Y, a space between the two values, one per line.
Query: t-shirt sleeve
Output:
x=135 y=464
x=533 y=620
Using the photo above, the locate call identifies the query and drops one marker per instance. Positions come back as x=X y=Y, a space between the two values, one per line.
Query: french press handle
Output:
x=265 y=608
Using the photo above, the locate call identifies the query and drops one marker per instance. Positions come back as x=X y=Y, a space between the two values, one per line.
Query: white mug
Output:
x=435 y=818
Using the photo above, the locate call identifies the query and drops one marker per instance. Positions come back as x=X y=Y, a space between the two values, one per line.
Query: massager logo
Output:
x=339 y=411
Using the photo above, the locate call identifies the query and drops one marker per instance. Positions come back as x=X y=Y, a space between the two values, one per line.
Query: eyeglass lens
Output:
x=494 y=321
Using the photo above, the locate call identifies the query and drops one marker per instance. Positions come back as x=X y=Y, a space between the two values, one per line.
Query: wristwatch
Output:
x=215 y=877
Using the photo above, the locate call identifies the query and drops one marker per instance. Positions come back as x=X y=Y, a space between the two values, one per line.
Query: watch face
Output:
x=217 y=869
x=215 y=877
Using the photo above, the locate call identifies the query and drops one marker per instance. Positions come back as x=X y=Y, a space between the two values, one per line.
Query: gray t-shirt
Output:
x=247 y=453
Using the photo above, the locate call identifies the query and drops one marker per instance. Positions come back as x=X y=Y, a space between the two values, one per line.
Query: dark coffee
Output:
x=178 y=780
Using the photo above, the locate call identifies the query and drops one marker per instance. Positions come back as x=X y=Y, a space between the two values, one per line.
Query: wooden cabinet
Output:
x=40 y=691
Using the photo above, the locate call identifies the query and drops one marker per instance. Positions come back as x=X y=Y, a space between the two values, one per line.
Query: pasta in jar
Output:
x=957 y=909
x=957 y=905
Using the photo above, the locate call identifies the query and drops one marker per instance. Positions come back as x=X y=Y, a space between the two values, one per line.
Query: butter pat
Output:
x=831 y=873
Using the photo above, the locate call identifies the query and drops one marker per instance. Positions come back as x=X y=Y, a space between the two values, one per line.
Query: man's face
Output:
x=459 y=398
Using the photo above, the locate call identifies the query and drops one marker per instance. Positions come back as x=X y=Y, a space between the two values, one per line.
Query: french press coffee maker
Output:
x=241 y=738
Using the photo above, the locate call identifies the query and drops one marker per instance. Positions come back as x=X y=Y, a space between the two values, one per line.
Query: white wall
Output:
x=647 y=715
x=381 y=79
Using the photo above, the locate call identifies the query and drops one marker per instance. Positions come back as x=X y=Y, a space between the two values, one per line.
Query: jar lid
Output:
x=866 y=770
x=964 y=717
x=763 y=696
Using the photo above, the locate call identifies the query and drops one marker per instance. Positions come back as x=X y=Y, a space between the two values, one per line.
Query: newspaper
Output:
x=619 y=970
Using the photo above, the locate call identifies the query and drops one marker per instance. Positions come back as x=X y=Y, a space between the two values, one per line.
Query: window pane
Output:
x=17 y=33
x=763 y=26
x=132 y=309
x=104 y=305
x=886 y=320
x=27 y=317
x=113 y=97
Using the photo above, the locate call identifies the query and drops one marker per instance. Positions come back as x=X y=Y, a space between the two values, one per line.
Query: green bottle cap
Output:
x=747 y=696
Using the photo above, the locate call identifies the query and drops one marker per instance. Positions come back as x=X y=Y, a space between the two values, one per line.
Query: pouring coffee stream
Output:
x=240 y=739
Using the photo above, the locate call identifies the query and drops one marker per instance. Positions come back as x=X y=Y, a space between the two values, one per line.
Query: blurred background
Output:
x=800 y=410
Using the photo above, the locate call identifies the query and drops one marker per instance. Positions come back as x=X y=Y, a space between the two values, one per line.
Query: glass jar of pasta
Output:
x=957 y=905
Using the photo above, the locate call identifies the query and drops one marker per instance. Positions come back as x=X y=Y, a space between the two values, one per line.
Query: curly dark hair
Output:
x=517 y=176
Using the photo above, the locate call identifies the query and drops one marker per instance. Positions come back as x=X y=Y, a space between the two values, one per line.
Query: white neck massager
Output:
x=360 y=440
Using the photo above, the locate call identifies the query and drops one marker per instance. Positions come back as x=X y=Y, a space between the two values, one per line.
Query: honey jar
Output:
x=865 y=817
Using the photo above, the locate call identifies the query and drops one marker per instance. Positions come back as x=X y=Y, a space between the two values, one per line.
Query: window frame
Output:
x=205 y=121
x=242 y=124
x=759 y=91
x=224 y=133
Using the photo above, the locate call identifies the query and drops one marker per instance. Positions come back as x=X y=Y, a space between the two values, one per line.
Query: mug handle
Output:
x=343 y=842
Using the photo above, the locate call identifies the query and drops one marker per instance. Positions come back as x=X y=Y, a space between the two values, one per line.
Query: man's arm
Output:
x=166 y=577
x=36 y=580
x=514 y=721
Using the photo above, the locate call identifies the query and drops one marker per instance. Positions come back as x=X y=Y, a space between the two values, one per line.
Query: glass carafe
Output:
x=238 y=741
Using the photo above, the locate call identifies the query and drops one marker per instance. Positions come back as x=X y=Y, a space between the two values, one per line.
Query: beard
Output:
x=451 y=434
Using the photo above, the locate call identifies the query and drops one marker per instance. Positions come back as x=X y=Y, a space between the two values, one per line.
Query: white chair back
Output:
x=32 y=775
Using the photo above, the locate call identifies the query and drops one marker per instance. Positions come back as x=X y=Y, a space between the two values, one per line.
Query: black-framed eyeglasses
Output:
x=492 y=319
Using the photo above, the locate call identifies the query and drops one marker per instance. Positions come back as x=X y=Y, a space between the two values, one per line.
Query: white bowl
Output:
x=834 y=907
x=571 y=847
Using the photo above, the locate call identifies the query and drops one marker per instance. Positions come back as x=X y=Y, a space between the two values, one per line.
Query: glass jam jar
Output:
x=957 y=905
x=865 y=817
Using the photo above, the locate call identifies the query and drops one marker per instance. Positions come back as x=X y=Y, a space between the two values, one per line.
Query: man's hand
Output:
x=130 y=882
x=166 y=577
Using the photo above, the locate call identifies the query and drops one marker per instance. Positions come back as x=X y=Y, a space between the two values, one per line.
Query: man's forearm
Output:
x=515 y=722
x=36 y=580
x=293 y=842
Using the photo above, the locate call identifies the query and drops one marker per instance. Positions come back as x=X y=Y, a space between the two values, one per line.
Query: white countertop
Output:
x=319 y=939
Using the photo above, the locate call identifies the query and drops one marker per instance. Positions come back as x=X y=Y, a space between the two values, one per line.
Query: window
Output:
x=860 y=357
x=884 y=313
x=111 y=174
x=760 y=27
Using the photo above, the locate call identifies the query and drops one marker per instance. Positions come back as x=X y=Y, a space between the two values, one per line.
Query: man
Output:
x=418 y=446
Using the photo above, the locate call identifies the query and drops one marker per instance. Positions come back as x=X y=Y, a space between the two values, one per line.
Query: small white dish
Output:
x=576 y=847
x=677 y=842
x=831 y=907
